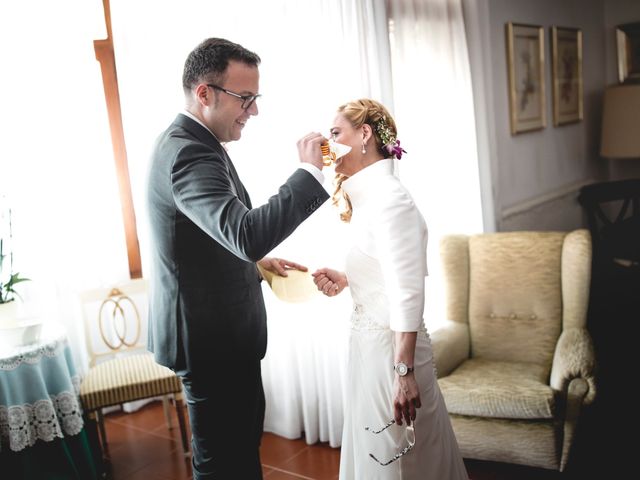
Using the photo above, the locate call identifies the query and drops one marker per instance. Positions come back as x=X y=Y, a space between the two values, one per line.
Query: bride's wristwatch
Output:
x=402 y=369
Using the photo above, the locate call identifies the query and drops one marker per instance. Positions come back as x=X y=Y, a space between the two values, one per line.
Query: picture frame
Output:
x=525 y=64
x=567 y=81
x=628 y=41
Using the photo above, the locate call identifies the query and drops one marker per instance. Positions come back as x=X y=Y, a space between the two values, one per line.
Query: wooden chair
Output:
x=121 y=369
x=613 y=213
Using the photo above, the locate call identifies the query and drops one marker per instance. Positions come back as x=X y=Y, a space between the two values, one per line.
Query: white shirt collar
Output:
x=196 y=119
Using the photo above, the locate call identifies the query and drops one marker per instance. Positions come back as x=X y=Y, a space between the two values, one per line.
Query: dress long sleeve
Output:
x=400 y=236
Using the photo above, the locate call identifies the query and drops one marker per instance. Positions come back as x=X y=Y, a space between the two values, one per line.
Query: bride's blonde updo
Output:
x=357 y=113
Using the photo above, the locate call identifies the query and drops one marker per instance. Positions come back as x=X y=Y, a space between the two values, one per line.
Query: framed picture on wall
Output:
x=628 y=39
x=566 y=69
x=525 y=64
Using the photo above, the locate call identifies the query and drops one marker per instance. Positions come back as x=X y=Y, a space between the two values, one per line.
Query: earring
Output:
x=364 y=150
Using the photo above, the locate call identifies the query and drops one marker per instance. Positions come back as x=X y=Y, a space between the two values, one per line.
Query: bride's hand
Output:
x=406 y=398
x=330 y=282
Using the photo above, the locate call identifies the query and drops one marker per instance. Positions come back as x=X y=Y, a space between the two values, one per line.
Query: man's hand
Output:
x=330 y=282
x=309 y=149
x=279 y=266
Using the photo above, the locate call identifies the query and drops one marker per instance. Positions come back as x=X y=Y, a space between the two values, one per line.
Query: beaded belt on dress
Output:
x=361 y=319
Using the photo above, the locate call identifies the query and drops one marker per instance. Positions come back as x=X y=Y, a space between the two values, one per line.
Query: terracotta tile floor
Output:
x=142 y=448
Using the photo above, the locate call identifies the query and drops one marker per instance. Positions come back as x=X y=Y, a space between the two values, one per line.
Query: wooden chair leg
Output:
x=183 y=427
x=104 y=468
x=103 y=437
x=167 y=412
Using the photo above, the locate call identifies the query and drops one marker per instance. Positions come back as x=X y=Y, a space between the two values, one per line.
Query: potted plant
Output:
x=8 y=280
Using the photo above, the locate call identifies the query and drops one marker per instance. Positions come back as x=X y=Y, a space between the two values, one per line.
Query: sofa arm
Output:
x=574 y=358
x=450 y=346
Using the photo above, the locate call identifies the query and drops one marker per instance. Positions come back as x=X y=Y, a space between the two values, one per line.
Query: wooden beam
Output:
x=105 y=55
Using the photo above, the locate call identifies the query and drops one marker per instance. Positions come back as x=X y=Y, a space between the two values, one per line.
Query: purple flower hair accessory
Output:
x=395 y=150
x=389 y=142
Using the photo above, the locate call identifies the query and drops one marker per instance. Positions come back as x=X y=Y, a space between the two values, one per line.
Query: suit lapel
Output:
x=206 y=137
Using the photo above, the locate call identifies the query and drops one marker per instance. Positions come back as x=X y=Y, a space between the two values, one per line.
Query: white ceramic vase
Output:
x=9 y=314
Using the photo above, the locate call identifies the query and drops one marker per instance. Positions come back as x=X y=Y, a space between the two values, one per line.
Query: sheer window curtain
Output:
x=434 y=110
x=56 y=162
x=315 y=56
x=429 y=93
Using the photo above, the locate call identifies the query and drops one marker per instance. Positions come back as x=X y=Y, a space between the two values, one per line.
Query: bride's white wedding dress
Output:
x=386 y=270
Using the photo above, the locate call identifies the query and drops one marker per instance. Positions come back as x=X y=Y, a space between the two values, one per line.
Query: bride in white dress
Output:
x=391 y=375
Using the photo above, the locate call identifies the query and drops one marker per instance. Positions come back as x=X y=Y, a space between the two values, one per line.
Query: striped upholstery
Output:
x=126 y=379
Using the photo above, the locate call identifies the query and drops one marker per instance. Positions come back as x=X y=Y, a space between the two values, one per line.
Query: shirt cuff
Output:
x=313 y=170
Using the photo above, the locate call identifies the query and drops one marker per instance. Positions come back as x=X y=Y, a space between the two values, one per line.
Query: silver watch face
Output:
x=401 y=369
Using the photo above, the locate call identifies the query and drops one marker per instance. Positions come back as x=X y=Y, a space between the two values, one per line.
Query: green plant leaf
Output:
x=15 y=278
x=7 y=292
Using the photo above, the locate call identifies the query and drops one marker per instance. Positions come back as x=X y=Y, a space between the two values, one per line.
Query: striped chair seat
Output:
x=121 y=370
x=126 y=379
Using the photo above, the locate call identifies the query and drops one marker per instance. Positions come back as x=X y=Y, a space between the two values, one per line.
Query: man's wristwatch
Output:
x=402 y=369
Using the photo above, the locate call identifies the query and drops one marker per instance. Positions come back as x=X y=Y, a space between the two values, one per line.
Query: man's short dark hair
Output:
x=209 y=61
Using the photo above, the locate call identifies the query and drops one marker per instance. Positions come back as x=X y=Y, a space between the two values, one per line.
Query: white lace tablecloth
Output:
x=38 y=394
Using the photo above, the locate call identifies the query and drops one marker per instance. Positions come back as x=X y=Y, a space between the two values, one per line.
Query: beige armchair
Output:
x=515 y=361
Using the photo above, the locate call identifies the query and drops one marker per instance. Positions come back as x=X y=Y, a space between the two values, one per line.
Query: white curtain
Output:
x=434 y=111
x=56 y=163
x=315 y=56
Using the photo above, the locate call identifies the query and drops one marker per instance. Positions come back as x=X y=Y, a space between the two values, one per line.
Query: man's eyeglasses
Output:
x=247 y=100
x=410 y=433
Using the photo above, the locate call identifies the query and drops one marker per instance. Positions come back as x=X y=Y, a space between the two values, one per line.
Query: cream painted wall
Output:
x=533 y=178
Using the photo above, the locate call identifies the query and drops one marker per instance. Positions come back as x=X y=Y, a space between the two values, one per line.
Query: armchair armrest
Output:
x=450 y=346
x=574 y=358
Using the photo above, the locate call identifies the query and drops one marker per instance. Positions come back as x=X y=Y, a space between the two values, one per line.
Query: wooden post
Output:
x=105 y=55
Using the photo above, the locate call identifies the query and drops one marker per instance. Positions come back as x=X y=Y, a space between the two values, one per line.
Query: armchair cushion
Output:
x=491 y=388
x=515 y=293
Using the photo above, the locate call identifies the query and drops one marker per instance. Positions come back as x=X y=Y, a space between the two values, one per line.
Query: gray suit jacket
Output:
x=206 y=301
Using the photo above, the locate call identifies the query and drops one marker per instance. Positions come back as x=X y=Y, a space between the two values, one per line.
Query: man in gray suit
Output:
x=207 y=314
